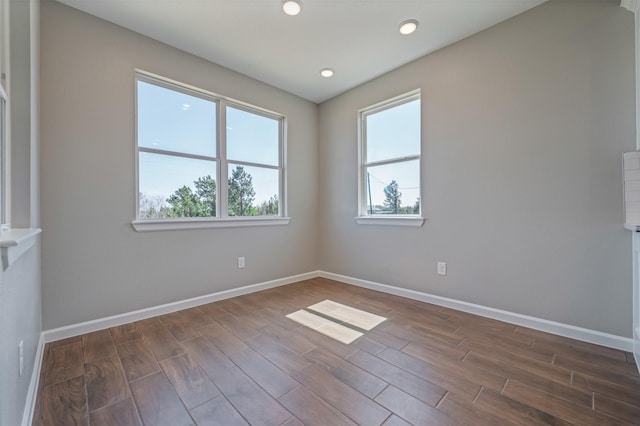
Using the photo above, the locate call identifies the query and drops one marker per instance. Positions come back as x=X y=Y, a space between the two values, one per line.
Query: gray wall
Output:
x=524 y=126
x=20 y=309
x=94 y=263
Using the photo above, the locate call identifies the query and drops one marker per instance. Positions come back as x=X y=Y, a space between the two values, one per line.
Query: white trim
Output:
x=14 y=243
x=634 y=6
x=630 y=227
x=578 y=333
x=393 y=160
x=194 y=223
x=631 y=5
x=221 y=161
x=199 y=92
x=32 y=392
x=390 y=220
x=5 y=150
x=363 y=164
x=566 y=330
x=636 y=350
x=393 y=102
x=112 y=321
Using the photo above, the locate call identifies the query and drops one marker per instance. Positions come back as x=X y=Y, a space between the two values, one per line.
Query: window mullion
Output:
x=393 y=160
x=250 y=164
x=223 y=169
x=176 y=154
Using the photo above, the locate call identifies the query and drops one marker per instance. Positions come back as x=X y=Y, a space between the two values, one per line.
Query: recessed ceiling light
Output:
x=408 y=26
x=326 y=72
x=291 y=7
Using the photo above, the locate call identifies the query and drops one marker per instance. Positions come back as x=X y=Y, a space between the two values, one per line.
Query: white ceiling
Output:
x=359 y=39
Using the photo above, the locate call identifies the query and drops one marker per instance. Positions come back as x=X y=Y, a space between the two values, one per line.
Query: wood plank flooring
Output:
x=241 y=361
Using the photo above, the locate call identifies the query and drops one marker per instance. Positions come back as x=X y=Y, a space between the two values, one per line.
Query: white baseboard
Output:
x=566 y=330
x=115 y=320
x=578 y=333
x=636 y=348
x=32 y=392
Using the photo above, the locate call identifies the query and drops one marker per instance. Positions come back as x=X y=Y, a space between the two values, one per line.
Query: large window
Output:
x=390 y=158
x=204 y=158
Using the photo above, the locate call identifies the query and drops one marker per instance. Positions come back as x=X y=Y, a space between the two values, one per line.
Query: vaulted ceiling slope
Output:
x=359 y=39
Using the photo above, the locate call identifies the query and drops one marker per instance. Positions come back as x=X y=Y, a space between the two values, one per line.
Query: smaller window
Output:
x=390 y=158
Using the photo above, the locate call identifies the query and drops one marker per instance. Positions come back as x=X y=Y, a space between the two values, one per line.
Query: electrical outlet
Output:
x=20 y=357
x=241 y=262
x=442 y=268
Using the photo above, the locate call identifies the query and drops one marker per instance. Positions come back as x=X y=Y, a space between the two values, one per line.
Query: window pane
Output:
x=253 y=191
x=393 y=188
x=393 y=132
x=174 y=121
x=252 y=138
x=176 y=187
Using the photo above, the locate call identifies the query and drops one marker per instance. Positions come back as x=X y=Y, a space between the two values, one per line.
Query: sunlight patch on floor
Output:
x=322 y=325
x=342 y=313
x=347 y=314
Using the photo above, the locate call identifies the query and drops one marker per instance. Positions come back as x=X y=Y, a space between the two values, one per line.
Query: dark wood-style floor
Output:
x=242 y=361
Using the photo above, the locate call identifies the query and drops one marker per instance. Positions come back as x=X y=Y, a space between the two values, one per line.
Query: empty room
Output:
x=319 y=212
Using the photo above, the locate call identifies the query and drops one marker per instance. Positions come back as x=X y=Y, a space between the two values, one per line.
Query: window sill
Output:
x=414 y=221
x=181 y=224
x=14 y=243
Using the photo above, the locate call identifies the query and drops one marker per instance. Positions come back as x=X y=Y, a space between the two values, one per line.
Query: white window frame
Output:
x=14 y=242
x=363 y=217
x=222 y=219
x=5 y=136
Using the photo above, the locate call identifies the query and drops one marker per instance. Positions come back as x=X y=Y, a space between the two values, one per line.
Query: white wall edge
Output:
x=636 y=349
x=32 y=392
x=115 y=320
x=631 y=5
x=566 y=330
x=16 y=242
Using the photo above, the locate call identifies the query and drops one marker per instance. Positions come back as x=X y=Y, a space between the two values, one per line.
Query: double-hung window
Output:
x=204 y=160
x=390 y=141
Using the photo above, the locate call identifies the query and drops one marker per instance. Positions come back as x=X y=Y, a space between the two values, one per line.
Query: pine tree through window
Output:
x=187 y=168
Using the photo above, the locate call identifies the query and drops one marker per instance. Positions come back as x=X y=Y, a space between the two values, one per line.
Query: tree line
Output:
x=201 y=202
